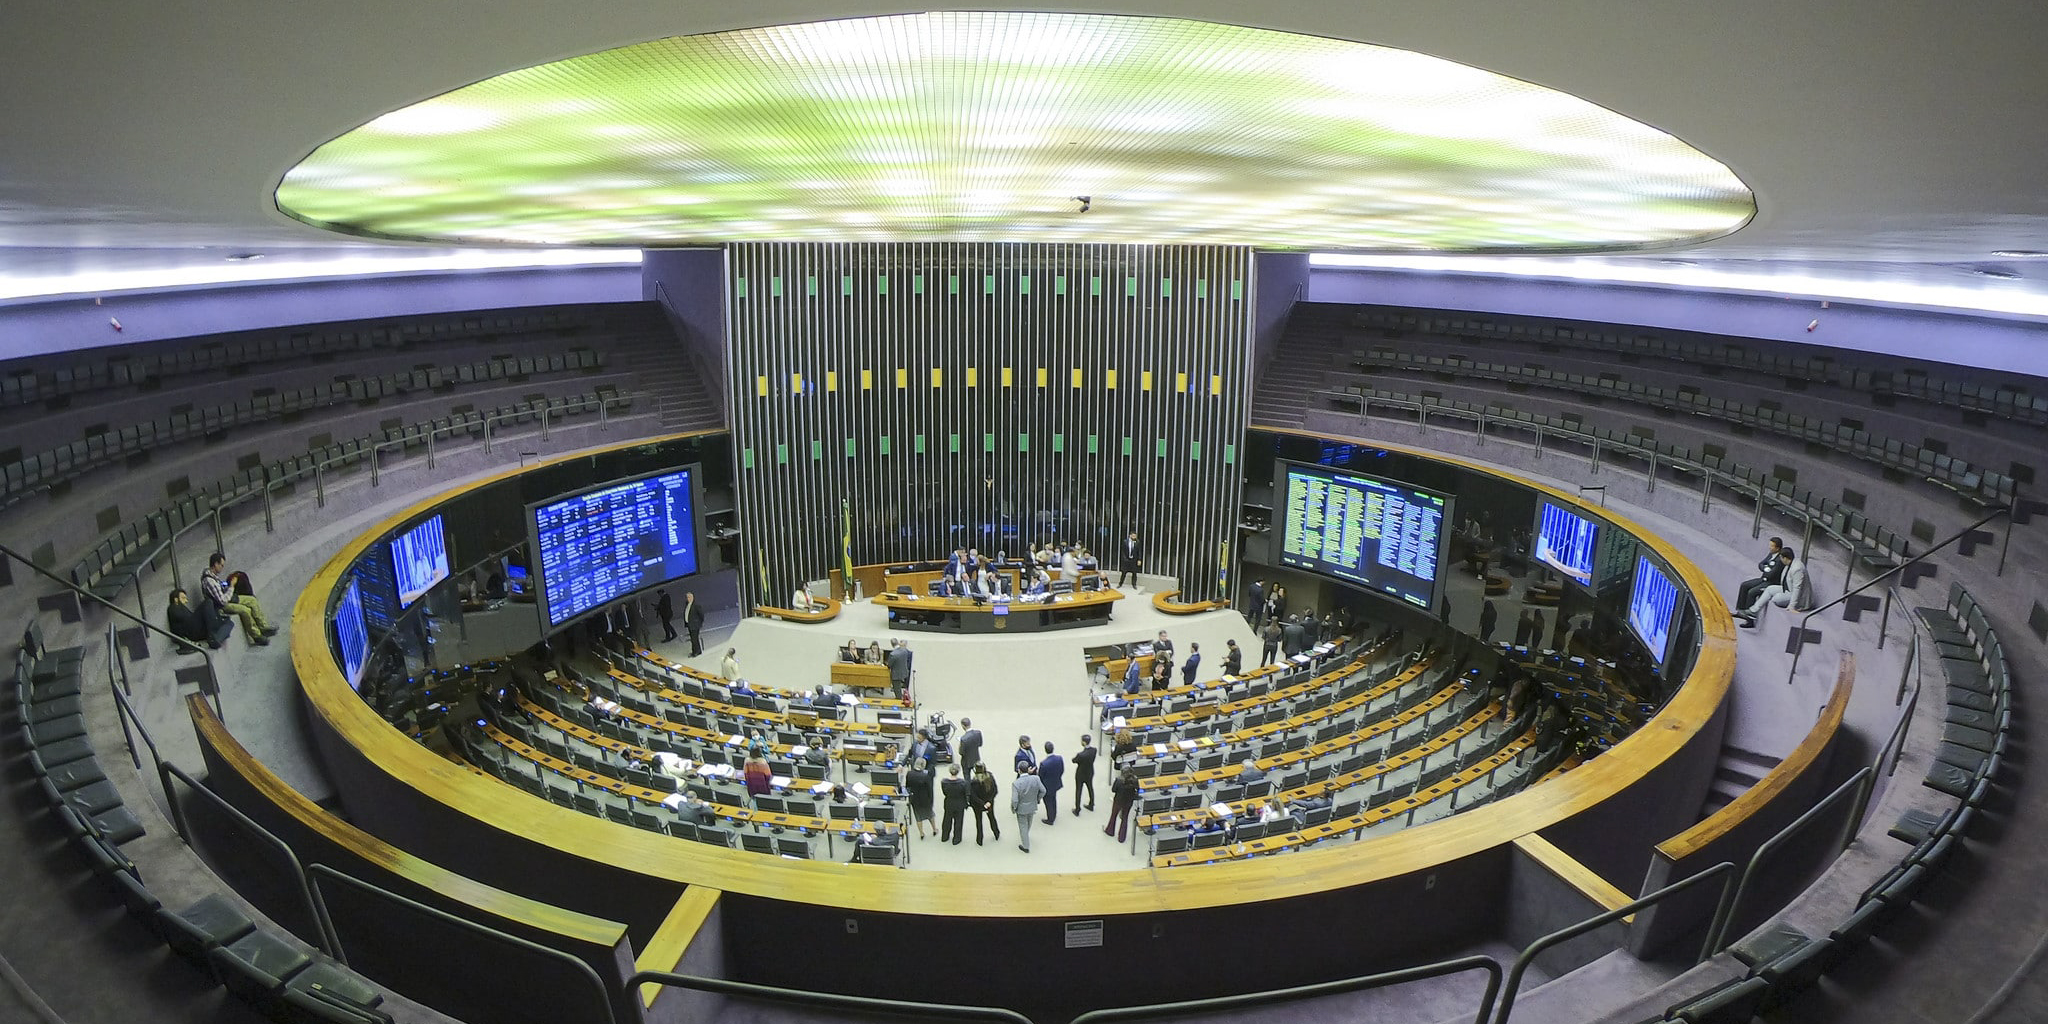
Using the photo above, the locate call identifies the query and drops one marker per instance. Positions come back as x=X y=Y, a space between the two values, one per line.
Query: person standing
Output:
x=899 y=664
x=918 y=782
x=729 y=669
x=1052 y=774
x=1258 y=604
x=1536 y=626
x=922 y=749
x=1084 y=772
x=1134 y=676
x=758 y=777
x=665 y=610
x=1129 y=556
x=1023 y=756
x=1187 y=671
x=1489 y=619
x=953 y=806
x=981 y=795
x=693 y=623
x=1233 y=659
x=1293 y=638
x=1522 y=627
x=1276 y=606
x=1025 y=796
x=969 y=745
x=1269 y=642
x=1122 y=794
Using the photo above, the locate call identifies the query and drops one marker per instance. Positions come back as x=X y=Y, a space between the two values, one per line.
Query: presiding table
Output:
x=965 y=615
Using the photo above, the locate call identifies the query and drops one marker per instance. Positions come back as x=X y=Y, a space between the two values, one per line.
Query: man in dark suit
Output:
x=665 y=610
x=969 y=746
x=1233 y=659
x=1187 y=671
x=1292 y=638
x=1084 y=772
x=194 y=624
x=953 y=791
x=1258 y=602
x=1769 y=573
x=1052 y=774
x=1023 y=757
x=1129 y=556
x=693 y=622
x=1489 y=619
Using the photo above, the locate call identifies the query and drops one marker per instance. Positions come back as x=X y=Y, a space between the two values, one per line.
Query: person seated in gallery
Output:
x=1250 y=772
x=873 y=655
x=200 y=625
x=851 y=653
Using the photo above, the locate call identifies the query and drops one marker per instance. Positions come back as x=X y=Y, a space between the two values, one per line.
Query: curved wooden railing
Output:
x=410 y=766
x=827 y=609
x=1164 y=602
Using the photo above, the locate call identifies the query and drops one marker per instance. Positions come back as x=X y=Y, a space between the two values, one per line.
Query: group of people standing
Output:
x=970 y=785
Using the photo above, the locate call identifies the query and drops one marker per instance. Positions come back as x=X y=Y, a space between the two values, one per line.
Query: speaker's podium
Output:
x=1000 y=615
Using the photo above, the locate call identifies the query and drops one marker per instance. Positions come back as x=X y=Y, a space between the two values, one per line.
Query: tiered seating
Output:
x=42 y=469
x=1783 y=961
x=1975 y=483
x=1877 y=546
x=113 y=563
x=557 y=748
x=272 y=973
x=1770 y=357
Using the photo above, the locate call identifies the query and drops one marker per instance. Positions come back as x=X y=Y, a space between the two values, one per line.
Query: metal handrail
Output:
x=167 y=771
x=828 y=1000
x=80 y=594
x=2002 y=510
x=1328 y=988
x=123 y=710
x=1859 y=782
x=1895 y=746
x=1529 y=953
x=319 y=871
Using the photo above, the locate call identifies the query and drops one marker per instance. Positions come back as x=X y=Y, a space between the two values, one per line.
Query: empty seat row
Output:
x=1955 y=474
x=57 y=464
x=1875 y=545
x=1775 y=358
x=23 y=385
x=116 y=559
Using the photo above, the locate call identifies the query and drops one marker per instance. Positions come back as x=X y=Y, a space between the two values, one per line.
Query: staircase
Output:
x=1734 y=773
x=648 y=347
x=1311 y=356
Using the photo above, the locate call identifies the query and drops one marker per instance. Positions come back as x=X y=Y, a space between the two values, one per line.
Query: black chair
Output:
x=256 y=966
x=198 y=929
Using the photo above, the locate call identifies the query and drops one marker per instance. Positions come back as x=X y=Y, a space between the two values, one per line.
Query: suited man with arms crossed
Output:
x=1769 y=572
x=969 y=745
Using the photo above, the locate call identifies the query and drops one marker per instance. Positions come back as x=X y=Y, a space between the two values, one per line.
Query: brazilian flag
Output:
x=846 y=549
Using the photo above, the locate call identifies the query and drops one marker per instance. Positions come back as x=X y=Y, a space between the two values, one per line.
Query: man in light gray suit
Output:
x=1789 y=592
x=1025 y=795
x=898 y=660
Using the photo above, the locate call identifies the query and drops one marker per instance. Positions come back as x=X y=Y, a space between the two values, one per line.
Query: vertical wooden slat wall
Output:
x=987 y=395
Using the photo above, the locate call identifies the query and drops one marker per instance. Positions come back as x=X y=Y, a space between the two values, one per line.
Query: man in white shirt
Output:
x=1788 y=592
x=729 y=669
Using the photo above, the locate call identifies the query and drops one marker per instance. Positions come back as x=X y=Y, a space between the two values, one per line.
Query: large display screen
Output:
x=419 y=559
x=1652 y=607
x=1564 y=541
x=1384 y=536
x=350 y=636
x=596 y=547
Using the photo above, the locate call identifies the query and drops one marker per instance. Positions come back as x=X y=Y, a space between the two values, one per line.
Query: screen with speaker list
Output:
x=1564 y=542
x=1652 y=604
x=599 y=546
x=419 y=559
x=351 y=637
x=1384 y=536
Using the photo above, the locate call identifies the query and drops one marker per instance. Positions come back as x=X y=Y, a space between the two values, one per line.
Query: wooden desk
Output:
x=677 y=668
x=859 y=732
x=962 y=615
x=1164 y=602
x=827 y=610
x=859 y=676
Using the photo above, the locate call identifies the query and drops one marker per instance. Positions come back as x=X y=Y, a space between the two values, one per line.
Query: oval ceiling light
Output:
x=1001 y=119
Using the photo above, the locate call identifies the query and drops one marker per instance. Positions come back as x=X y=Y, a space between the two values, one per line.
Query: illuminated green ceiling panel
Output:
x=987 y=126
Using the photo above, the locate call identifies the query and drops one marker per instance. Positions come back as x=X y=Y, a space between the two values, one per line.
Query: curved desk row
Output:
x=968 y=615
x=1425 y=888
x=827 y=609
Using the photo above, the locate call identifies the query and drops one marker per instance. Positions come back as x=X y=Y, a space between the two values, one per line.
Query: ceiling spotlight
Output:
x=244 y=256
x=1084 y=201
x=2019 y=254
